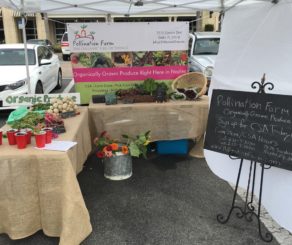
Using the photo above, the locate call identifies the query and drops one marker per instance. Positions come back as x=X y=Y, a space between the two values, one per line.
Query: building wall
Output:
x=11 y=31
x=46 y=27
x=210 y=18
x=42 y=27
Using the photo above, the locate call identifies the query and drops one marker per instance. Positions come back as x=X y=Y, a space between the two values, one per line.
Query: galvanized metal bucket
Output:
x=118 y=167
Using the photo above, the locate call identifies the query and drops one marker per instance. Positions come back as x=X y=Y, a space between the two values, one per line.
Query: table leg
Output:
x=198 y=150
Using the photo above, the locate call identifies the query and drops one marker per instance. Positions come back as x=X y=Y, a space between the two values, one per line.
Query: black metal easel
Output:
x=249 y=210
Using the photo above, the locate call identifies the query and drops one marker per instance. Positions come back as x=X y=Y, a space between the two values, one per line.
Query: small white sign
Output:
x=58 y=146
x=31 y=99
x=21 y=25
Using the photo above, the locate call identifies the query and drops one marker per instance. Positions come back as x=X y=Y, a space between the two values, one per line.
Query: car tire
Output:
x=39 y=88
x=59 y=81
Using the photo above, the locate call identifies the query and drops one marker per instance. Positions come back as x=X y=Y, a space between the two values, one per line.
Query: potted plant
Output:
x=117 y=155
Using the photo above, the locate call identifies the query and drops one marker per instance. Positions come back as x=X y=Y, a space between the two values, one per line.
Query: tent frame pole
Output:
x=23 y=24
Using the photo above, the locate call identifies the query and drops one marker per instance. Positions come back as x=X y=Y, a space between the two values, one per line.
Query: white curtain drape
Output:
x=257 y=39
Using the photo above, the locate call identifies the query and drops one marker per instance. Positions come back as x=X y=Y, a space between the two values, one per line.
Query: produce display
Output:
x=162 y=58
x=55 y=122
x=40 y=115
x=129 y=59
x=43 y=121
x=30 y=120
x=159 y=58
x=122 y=59
x=191 y=85
x=91 y=60
x=178 y=96
x=148 y=91
x=37 y=121
x=40 y=107
x=64 y=105
x=143 y=59
x=149 y=86
x=190 y=93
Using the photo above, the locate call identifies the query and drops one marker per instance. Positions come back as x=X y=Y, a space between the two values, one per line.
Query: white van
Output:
x=203 y=49
x=65 y=46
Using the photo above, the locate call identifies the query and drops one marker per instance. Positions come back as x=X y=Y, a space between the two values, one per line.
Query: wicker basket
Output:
x=191 y=80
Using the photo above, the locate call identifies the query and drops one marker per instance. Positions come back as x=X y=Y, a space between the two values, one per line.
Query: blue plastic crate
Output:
x=172 y=146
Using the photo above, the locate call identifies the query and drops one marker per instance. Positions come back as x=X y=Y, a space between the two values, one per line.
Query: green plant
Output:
x=38 y=128
x=149 y=86
x=158 y=58
x=162 y=58
x=57 y=48
x=162 y=86
x=138 y=145
x=108 y=147
x=179 y=58
x=94 y=60
x=28 y=121
x=40 y=107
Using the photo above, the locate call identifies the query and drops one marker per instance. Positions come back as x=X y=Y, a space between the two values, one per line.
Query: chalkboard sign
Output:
x=251 y=126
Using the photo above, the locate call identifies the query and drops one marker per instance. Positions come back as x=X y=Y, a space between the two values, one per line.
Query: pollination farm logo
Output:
x=83 y=33
x=86 y=39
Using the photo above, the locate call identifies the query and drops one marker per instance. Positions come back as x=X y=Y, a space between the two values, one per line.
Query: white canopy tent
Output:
x=104 y=7
x=244 y=57
x=119 y=7
x=123 y=7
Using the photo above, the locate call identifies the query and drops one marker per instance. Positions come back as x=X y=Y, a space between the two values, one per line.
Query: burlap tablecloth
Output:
x=167 y=121
x=39 y=189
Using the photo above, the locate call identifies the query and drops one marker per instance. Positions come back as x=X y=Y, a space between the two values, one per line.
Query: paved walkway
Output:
x=169 y=200
x=283 y=236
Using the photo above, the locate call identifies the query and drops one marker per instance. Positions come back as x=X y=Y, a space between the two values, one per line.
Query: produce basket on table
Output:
x=193 y=85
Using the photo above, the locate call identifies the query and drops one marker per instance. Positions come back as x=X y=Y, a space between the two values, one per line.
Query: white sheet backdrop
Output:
x=257 y=39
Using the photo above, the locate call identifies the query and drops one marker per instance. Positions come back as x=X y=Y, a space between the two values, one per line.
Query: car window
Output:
x=48 y=53
x=42 y=42
x=44 y=53
x=206 y=46
x=41 y=53
x=35 y=41
x=65 y=37
x=13 y=57
x=32 y=41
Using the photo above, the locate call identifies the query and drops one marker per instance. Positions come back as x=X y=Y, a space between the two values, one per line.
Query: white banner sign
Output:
x=31 y=99
x=120 y=37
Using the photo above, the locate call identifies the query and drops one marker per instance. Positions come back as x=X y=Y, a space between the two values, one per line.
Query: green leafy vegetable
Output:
x=41 y=107
x=29 y=121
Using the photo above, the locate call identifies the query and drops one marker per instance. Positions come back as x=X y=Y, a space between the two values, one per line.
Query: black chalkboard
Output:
x=251 y=126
